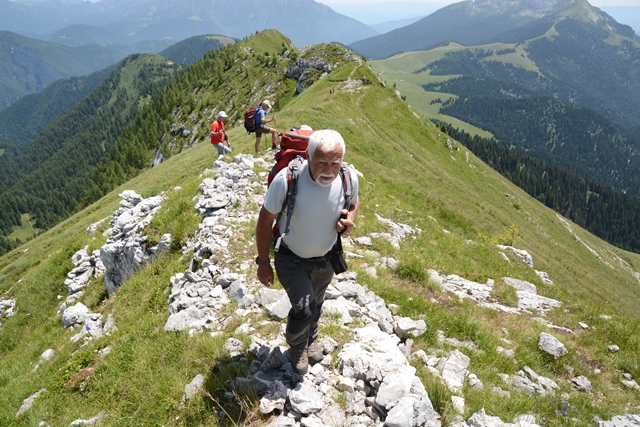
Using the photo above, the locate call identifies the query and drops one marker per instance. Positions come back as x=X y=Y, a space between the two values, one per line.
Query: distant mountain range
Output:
x=479 y=22
x=582 y=54
x=382 y=12
x=385 y=27
x=385 y=16
x=43 y=41
x=108 y=22
x=556 y=80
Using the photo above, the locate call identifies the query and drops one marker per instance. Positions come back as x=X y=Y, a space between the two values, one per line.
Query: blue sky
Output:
x=598 y=3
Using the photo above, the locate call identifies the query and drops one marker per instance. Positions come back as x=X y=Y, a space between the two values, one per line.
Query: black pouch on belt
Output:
x=336 y=255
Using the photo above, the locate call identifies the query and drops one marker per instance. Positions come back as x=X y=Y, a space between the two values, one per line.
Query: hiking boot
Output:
x=314 y=352
x=274 y=147
x=299 y=360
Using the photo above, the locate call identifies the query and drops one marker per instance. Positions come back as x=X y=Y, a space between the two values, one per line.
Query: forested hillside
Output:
x=28 y=116
x=578 y=70
x=601 y=66
x=23 y=120
x=47 y=179
x=30 y=65
x=608 y=214
x=497 y=93
x=559 y=133
x=190 y=50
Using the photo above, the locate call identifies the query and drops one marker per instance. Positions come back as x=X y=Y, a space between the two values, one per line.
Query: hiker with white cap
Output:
x=218 y=135
x=262 y=129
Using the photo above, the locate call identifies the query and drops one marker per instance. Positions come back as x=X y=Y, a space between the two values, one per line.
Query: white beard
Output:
x=323 y=183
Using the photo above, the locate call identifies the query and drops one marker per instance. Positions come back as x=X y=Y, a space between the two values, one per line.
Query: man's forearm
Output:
x=353 y=210
x=263 y=233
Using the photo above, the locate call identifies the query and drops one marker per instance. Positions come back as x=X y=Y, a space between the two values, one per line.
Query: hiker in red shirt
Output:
x=218 y=135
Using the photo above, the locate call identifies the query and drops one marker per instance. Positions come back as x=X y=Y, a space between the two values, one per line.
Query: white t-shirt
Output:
x=312 y=231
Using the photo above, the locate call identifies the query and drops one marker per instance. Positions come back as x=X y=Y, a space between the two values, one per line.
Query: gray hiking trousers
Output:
x=305 y=280
x=222 y=149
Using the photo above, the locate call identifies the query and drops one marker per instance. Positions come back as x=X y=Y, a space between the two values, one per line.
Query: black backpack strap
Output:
x=293 y=171
x=347 y=187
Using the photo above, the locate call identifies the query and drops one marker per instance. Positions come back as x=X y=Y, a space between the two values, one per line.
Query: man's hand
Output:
x=265 y=274
x=344 y=224
x=263 y=241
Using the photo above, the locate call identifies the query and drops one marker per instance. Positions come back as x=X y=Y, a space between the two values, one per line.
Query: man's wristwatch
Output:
x=263 y=262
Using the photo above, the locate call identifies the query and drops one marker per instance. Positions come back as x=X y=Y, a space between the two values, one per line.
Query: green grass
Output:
x=25 y=232
x=410 y=177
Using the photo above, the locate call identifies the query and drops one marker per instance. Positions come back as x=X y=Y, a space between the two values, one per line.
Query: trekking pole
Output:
x=276 y=124
x=266 y=144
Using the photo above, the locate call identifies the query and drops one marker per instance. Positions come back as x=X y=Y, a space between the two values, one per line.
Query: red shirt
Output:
x=217 y=126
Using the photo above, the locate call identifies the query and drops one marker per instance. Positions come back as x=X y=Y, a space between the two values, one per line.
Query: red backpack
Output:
x=250 y=119
x=292 y=144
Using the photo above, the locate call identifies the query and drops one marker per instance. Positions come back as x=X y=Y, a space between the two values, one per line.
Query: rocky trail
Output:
x=369 y=381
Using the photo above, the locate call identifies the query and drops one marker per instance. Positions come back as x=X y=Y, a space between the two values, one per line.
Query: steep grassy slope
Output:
x=410 y=176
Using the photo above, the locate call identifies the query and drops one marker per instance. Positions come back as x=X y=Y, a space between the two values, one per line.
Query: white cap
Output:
x=267 y=103
x=222 y=114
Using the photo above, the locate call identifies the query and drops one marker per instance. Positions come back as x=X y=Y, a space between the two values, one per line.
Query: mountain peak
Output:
x=534 y=9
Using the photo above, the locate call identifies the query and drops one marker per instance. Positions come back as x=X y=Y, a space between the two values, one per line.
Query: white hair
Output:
x=326 y=140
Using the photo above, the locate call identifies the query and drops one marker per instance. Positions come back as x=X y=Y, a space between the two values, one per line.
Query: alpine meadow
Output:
x=442 y=241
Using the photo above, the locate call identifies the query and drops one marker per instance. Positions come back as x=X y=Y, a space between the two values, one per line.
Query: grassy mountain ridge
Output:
x=410 y=176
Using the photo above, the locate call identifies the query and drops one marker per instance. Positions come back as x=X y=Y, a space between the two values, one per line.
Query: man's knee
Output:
x=306 y=313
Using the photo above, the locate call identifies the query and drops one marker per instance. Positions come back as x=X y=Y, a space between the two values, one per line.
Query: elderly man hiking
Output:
x=301 y=256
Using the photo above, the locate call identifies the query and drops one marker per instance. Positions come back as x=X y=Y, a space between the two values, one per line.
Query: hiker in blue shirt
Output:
x=261 y=120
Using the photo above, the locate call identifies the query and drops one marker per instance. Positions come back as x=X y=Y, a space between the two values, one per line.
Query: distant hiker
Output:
x=218 y=135
x=261 y=112
x=303 y=249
